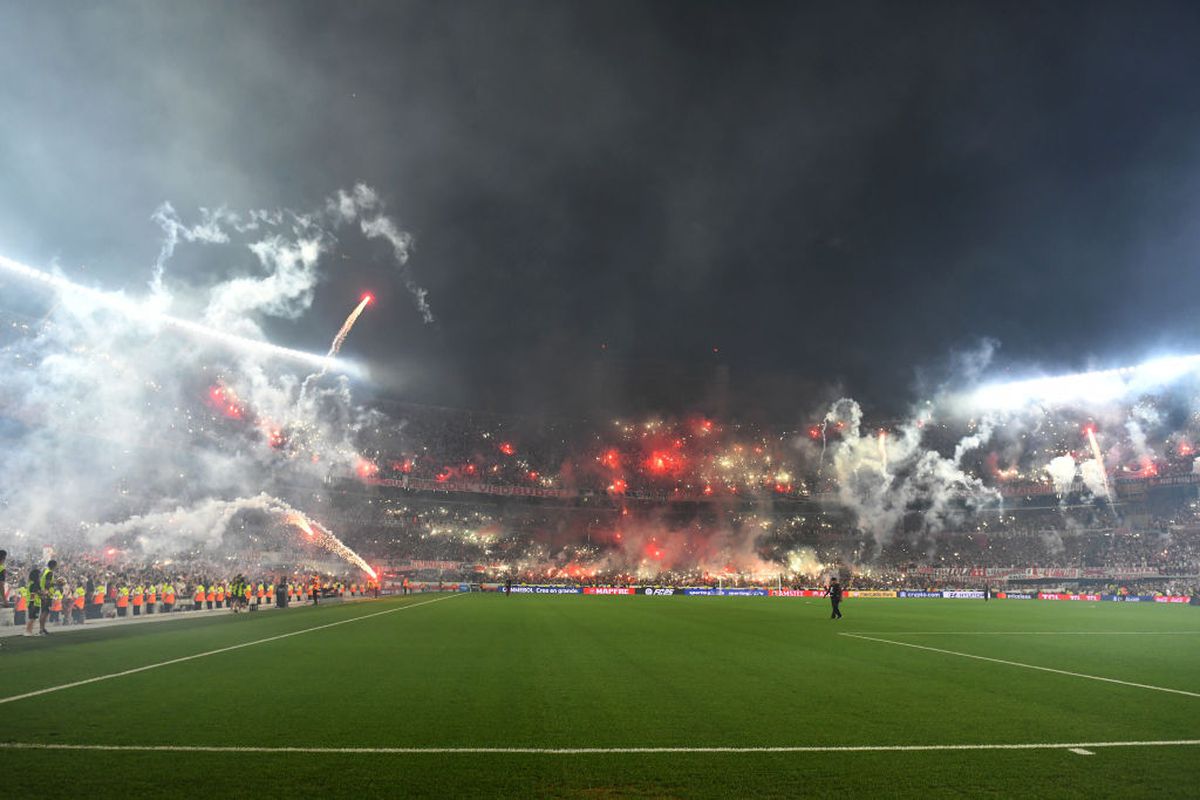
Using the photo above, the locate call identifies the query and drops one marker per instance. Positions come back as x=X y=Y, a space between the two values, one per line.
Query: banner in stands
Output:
x=427 y=485
x=802 y=593
x=963 y=595
x=415 y=564
x=1125 y=572
x=907 y=593
x=1172 y=598
x=660 y=591
x=950 y=572
x=1037 y=573
x=608 y=590
x=1130 y=598
x=1016 y=596
x=1060 y=596
x=866 y=593
x=547 y=590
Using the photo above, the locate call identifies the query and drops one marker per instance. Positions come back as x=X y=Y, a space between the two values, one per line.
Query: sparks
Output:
x=326 y=540
x=344 y=331
x=1090 y=431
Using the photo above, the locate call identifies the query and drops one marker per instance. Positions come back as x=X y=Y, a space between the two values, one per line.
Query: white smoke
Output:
x=882 y=492
x=1062 y=471
x=1141 y=417
x=114 y=421
x=202 y=525
x=362 y=204
x=1094 y=478
x=209 y=229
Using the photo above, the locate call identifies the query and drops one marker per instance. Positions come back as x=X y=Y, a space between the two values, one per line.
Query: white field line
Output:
x=182 y=659
x=556 y=751
x=1079 y=751
x=1027 y=633
x=1023 y=666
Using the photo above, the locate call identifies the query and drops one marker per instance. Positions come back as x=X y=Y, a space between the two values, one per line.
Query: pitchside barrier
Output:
x=710 y=591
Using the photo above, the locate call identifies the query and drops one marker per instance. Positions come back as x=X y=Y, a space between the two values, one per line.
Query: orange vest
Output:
x=79 y=601
x=98 y=599
x=290 y=592
x=168 y=599
x=262 y=591
x=56 y=604
x=199 y=598
x=211 y=595
x=22 y=602
x=138 y=598
x=220 y=594
x=151 y=597
x=122 y=601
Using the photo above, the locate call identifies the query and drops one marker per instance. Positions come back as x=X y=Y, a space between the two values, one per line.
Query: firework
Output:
x=1096 y=454
x=144 y=312
x=344 y=331
x=326 y=540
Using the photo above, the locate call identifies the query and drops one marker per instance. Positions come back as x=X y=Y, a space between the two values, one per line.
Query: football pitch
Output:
x=626 y=696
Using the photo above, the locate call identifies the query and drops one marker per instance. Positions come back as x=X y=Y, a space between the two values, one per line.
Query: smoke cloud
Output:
x=882 y=492
x=130 y=430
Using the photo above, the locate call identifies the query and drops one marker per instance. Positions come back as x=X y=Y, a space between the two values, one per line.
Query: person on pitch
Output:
x=41 y=583
x=834 y=593
x=3 y=579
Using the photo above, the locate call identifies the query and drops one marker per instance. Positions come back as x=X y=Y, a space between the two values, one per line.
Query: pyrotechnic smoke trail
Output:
x=328 y=541
x=883 y=457
x=344 y=331
x=338 y=340
x=821 y=462
x=142 y=312
x=1096 y=454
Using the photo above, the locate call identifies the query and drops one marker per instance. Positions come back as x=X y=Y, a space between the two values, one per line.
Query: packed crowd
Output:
x=705 y=458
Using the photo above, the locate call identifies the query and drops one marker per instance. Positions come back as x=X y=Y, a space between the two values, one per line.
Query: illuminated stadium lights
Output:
x=1095 y=386
x=144 y=312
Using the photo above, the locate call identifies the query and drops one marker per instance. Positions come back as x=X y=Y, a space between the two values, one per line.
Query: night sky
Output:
x=837 y=197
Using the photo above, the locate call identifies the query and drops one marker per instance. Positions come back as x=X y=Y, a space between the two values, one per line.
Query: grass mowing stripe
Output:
x=219 y=650
x=1019 y=664
x=568 y=751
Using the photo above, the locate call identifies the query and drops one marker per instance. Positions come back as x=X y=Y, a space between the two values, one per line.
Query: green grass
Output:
x=570 y=671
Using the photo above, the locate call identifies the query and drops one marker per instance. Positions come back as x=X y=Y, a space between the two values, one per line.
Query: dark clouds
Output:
x=825 y=192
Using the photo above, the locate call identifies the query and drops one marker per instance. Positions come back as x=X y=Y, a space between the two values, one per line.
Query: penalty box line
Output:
x=1022 y=665
x=568 y=751
x=219 y=650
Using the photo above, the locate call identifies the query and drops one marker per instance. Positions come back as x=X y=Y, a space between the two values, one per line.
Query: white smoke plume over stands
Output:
x=1062 y=471
x=203 y=525
x=1142 y=416
x=882 y=493
x=116 y=409
x=1092 y=472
